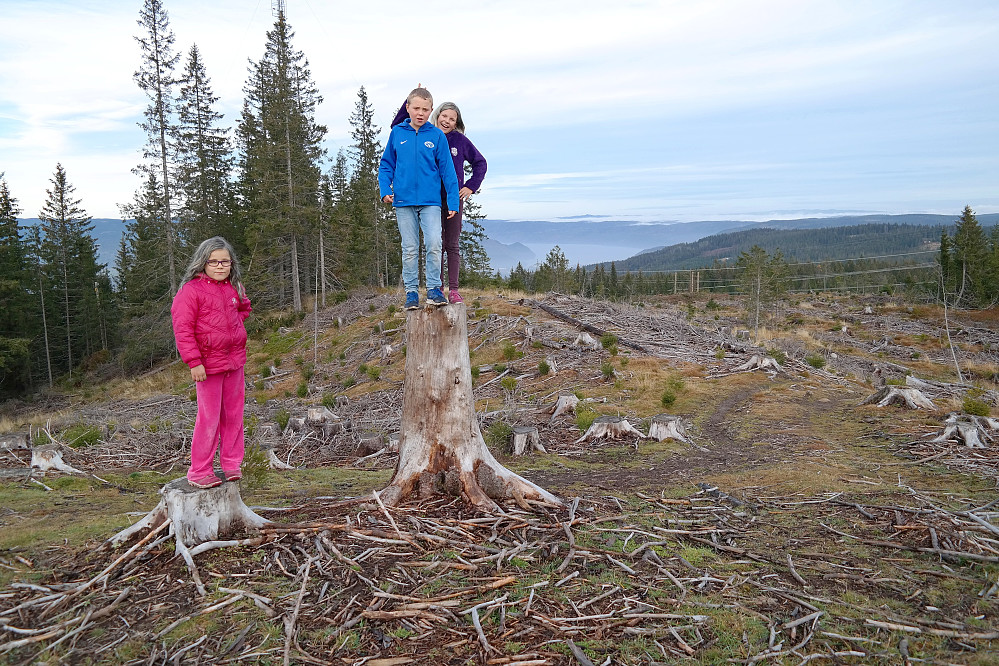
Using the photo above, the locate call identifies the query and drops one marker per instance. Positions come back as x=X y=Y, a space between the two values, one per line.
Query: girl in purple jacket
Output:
x=447 y=117
x=208 y=314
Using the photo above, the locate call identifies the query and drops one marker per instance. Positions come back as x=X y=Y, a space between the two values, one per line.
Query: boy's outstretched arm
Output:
x=445 y=165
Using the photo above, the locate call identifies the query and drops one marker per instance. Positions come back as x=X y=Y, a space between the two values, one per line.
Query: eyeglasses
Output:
x=224 y=263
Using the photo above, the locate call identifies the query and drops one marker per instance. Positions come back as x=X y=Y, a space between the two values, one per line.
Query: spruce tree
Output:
x=157 y=80
x=971 y=261
x=475 y=268
x=204 y=161
x=281 y=145
x=374 y=245
x=76 y=286
x=16 y=321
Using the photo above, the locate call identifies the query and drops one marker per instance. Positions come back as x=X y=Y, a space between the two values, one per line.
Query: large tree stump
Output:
x=906 y=397
x=609 y=427
x=196 y=515
x=524 y=439
x=441 y=447
x=665 y=426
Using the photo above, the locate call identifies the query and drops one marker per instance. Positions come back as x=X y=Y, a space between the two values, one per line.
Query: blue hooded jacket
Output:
x=415 y=163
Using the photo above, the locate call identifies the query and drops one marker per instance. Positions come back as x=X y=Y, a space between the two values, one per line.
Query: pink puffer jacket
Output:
x=208 y=321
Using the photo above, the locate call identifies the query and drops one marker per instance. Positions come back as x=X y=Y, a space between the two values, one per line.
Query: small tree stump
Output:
x=758 y=362
x=392 y=445
x=972 y=431
x=442 y=447
x=665 y=426
x=565 y=404
x=273 y=461
x=609 y=427
x=319 y=415
x=369 y=442
x=906 y=397
x=48 y=456
x=197 y=515
x=526 y=438
x=586 y=341
x=13 y=441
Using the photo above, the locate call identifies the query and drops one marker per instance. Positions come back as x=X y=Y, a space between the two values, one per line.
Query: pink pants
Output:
x=220 y=419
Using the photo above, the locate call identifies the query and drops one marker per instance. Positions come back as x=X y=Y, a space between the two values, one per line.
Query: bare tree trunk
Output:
x=441 y=448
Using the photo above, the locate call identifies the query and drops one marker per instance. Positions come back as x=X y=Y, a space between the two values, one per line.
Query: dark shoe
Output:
x=206 y=482
x=233 y=476
x=412 y=300
x=435 y=297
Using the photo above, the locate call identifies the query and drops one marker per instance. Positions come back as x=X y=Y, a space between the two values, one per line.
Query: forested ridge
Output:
x=309 y=227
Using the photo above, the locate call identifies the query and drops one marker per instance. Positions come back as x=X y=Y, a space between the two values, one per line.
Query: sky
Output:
x=629 y=110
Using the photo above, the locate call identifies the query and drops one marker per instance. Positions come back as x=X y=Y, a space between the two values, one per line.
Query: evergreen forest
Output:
x=308 y=227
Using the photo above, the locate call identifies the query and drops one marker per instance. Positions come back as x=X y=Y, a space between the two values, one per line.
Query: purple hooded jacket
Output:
x=462 y=151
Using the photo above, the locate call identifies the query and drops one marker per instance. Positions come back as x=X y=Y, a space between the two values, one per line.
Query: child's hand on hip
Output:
x=198 y=373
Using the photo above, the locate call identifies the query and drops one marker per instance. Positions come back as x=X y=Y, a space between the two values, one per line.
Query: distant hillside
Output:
x=815 y=244
x=107 y=233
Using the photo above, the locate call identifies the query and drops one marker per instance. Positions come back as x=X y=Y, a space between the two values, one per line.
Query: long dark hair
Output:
x=200 y=258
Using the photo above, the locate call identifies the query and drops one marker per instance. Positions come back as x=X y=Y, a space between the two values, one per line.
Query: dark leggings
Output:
x=451 y=233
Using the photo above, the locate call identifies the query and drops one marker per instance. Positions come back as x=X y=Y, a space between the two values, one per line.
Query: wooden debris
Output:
x=609 y=428
x=586 y=341
x=759 y=362
x=14 y=441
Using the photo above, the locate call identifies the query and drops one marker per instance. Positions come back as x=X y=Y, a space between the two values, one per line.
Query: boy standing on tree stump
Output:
x=415 y=163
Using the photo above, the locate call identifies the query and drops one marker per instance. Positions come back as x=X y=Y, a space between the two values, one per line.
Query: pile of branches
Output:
x=356 y=583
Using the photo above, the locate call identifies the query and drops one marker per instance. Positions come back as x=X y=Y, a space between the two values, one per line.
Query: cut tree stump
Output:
x=665 y=426
x=441 y=447
x=196 y=515
x=609 y=427
x=586 y=341
x=525 y=438
x=564 y=405
x=272 y=460
x=972 y=431
x=900 y=395
x=13 y=441
x=369 y=442
x=48 y=456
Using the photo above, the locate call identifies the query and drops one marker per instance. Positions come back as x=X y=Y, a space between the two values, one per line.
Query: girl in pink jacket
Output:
x=208 y=314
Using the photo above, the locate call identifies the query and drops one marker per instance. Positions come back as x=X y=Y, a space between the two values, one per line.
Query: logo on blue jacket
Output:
x=428 y=144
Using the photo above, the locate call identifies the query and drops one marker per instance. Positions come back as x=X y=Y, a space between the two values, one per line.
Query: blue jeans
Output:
x=413 y=219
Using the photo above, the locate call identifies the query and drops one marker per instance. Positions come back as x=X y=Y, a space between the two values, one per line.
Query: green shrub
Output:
x=607 y=370
x=329 y=400
x=497 y=435
x=499 y=368
x=265 y=371
x=778 y=355
x=348 y=382
x=81 y=435
x=509 y=350
x=974 y=406
x=817 y=361
x=281 y=418
x=713 y=304
x=475 y=372
x=302 y=390
x=363 y=368
x=608 y=340
x=668 y=398
x=509 y=383
x=585 y=416
x=612 y=350
x=255 y=467
x=374 y=372
x=543 y=368
x=719 y=353
x=392 y=309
